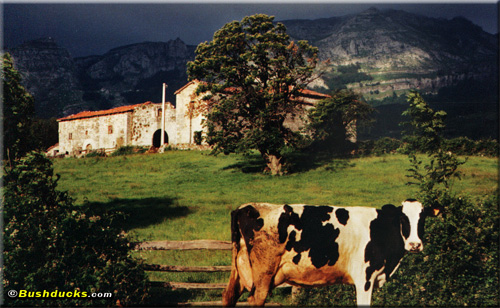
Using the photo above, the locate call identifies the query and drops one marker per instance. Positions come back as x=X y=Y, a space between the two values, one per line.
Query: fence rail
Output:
x=189 y=245
x=183 y=245
x=186 y=269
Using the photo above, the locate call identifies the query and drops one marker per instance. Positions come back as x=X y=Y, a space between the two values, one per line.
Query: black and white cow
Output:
x=320 y=245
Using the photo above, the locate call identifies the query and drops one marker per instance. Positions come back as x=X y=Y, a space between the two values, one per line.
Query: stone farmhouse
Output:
x=140 y=125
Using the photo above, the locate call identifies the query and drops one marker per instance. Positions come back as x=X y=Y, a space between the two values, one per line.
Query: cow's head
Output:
x=412 y=223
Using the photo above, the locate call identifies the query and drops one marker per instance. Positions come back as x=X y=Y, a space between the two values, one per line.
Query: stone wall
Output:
x=146 y=121
x=135 y=127
x=83 y=135
x=189 y=119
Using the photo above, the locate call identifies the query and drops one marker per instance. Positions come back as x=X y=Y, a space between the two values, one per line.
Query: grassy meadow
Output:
x=187 y=195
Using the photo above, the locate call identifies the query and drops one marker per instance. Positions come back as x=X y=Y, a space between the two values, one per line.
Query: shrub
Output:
x=460 y=146
x=457 y=146
x=49 y=244
x=365 y=147
x=386 y=145
x=434 y=178
x=459 y=265
x=96 y=153
x=466 y=146
x=487 y=147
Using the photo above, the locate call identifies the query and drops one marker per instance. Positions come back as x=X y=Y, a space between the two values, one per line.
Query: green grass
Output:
x=186 y=195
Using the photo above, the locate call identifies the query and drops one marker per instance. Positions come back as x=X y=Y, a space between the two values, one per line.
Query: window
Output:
x=110 y=129
x=70 y=136
x=159 y=112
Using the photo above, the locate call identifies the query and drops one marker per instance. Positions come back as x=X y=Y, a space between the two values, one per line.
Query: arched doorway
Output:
x=157 y=138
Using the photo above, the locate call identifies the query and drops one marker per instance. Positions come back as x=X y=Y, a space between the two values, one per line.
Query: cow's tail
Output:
x=233 y=290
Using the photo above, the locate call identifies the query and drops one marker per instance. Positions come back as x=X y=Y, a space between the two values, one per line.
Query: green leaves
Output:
x=435 y=177
x=330 y=120
x=425 y=125
x=19 y=109
x=459 y=264
x=253 y=72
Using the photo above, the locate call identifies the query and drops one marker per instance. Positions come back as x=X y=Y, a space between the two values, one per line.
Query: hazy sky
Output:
x=92 y=27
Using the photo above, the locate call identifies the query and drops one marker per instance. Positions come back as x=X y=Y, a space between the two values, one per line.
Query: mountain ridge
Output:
x=393 y=42
x=388 y=52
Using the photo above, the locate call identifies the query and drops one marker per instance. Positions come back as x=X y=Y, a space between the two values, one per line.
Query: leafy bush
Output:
x=459 y=265
x=385 y=145
x=96 y=153
x=466 y=146
x=487 y=147
x=50 y=245
x=365 y=147
x=459 y=146
x=434 y=178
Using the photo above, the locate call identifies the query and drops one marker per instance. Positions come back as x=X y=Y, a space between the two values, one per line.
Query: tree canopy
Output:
x=252 y=75
x=333 y=121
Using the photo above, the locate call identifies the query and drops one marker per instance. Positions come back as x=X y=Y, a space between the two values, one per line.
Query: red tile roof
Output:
x=52 y=147
x=307 y=92
x=304 y=92
x=91 y=114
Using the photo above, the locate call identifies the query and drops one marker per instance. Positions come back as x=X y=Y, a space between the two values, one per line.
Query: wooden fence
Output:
x=189 y=245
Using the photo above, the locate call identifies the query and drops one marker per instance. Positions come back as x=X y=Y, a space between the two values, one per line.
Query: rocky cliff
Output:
x=125 y=75
x=49 y=73
x=399 y=50
x=135 y=73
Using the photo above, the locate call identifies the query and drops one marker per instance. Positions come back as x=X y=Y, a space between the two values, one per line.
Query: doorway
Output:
x=157 y=138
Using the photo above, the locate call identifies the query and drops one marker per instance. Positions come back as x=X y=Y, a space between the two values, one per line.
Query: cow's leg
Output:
x=235 y=287
x=233 y=290
x=364 y=288
x=363 y=296
x=260 y=291
x=265 y=264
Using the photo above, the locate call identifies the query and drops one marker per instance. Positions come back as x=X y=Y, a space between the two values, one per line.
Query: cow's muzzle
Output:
x=415 y=247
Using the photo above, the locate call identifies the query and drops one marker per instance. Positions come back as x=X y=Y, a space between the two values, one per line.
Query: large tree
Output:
x=18 y=112
x=253 y=74
x=334 y=120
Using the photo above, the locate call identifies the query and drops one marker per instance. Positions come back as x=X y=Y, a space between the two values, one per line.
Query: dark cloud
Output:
x=94 y=28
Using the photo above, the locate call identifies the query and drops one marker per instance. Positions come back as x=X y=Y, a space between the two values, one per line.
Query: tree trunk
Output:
x=274 y=164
